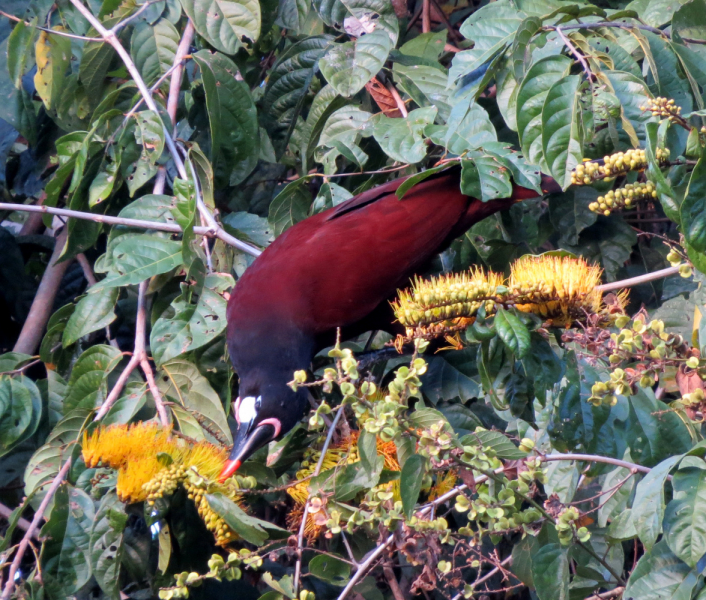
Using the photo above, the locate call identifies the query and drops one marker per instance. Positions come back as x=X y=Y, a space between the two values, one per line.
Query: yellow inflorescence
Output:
x=567 y=292
x=151 y=464
x=615 y=164
x=447 y=303
x=625 y=197
x=343 y=453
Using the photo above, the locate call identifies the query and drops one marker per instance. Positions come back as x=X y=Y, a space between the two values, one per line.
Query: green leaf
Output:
x=402 y=139
x=244 y=525
x=531 y=95
x=562 y=140
x=550 y=572
x=520 y=51
x=290 y=206
x=411 y=480
x=140 y=257
x=53 y=55
x=87 y=385
x=67 y=550
x=368 y=451
x=570 y=214
x=226 y=24
x=20 y=411
x=513 y=332
x=153 y=48
x=617 y=502
x=340 y=136
x=284 y=586
x=429 y=46
x=182 y=380
x=410 y=182
x=249 y=226
x=191 y=326
x=106 y=544
x=485 y=177
x=648 y=504
x=95 y=63
x=426 y=85
x=468 y=128
x=288 y=83
x=497 y=442
x=659 y=574
x=349 y=66
x=292 y=14
x=325 y=103
x=235 y=134
x=685 y=516
x=689 y=21
x=19 y=51
x=693 y=208
x=330 y=569
x=346 y=483
x=96 y=310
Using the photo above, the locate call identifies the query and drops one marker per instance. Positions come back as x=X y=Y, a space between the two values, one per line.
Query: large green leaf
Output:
x=340 y=136
x=249 y=528
x=182 y=381
x=497 y=442
x=139 y=257
x=106 y=544
x=693 y=208
x=290 y=206
x=531 y=95
x=20 y=411
x=226 y=24
x=232 y=116
x=562 y=140
x=485 y=177
x=19 y=54
x=192 y=325
x=550 y=572
x=411 y=480
x=153 y=48
x=659 y=575
x=93 y=312
x=288 y=83
x=330 y=569
x=426 y=85
x=53 y=55
x=685 y=516
x=87 y=386
x=349 y=66
x=648 y=504
x=402 y=139
x=67 y=549
x=689 y=20
x=570 y=214
x=513 y=332
x=468 y=128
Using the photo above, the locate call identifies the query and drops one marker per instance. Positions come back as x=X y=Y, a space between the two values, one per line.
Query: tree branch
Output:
x=59 y=33
x=580 y=57
x=22 y=523
x=60 y=476
x=595 y=458
x=617 y=285
x=626 y=26
x=40 y=311
x=305 y=514
x=175 y=83
x=110 y=37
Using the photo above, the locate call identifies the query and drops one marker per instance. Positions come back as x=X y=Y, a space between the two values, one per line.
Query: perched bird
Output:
x=336 y=269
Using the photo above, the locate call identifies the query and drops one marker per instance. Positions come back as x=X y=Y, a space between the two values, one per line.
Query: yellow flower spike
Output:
x=133 y=476
x=206 y=458
x=568 y=291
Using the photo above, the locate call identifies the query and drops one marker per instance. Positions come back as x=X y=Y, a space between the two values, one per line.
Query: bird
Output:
x=337 y=269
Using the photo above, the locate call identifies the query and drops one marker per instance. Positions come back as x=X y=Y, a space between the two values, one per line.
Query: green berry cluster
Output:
x=165 y=482
x=677 y=260
x=625 y=197
x=566 y=527
x=219 y=569
x=607 y=392
x=614 y=165
x=662 y=107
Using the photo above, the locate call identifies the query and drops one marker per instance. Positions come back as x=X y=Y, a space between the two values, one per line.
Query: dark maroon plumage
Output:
x=337 y=269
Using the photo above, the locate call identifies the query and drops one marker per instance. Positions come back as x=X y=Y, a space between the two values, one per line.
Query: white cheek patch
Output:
x=247 y=409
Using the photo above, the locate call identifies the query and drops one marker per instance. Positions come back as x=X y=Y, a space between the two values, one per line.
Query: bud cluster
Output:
x=196 y=488
x=677 y=260
x=662 y=107
x=566 y=527
x=625 y=197
x=616 y=164
x=219 y=569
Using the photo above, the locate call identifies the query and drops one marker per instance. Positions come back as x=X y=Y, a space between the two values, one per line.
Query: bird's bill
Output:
x=245 y=445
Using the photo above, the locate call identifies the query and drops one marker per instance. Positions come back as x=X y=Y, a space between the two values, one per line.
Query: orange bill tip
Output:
x=228 y=469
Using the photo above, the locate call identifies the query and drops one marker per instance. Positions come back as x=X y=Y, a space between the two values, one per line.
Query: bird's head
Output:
x=263 y=415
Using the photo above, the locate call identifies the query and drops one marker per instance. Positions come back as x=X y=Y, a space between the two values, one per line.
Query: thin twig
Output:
x=118 y=26
x=626 y=26
x=59 y=33
x=487 y=576
x=616 y=285
x=110 y=37
x=300 y=537
x=178 y=67
x=595 y=458
x=22 y=523
x=392 y=582
x=580 y=57
x=40 y=311
x=398 y=100
x=38 y=516
x=611 y=594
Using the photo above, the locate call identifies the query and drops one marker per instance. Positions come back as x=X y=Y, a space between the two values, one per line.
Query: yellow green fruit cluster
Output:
x=662 y=107
x=624 y=197
x=196 y=488
x=614 y=165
